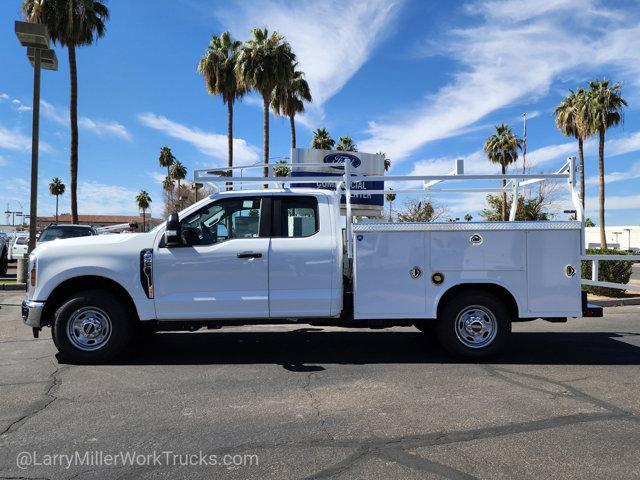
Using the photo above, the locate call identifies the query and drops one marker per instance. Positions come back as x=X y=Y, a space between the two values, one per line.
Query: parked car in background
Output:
x=19 y=246
x=57 y=232
x=4 y=252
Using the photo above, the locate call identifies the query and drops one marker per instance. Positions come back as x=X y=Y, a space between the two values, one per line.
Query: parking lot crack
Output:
x=417 y=462
x=316 y=405
x=48 y=398
x=571 y=391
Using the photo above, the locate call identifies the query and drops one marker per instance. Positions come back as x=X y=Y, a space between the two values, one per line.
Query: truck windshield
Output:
x=54 y=233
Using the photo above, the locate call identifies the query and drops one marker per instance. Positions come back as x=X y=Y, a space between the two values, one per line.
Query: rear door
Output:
x=222 y=268
x=302 y=258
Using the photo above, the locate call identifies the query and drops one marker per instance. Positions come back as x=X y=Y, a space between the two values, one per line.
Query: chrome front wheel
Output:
x=89 y=328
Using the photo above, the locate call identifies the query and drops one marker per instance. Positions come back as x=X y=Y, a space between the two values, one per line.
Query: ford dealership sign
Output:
x=313 y=163
x=340 y=159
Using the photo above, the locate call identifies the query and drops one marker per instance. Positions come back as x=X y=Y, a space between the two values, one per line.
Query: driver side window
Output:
x=225 y=219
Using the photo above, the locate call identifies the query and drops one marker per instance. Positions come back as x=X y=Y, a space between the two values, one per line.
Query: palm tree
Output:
x=143 y=199
x=387 y=162
x=322 y=140
x=178 y=172
x=72 y=23
x=288 y=99
x=605 y=104
x=166 y=159
x=217 y=66
x=572 y=120
x=57 y=188
x=264 y=62
x=468 y=217
x=502 y=148
x=281 y=169
x=346 y=144
x=390 y=197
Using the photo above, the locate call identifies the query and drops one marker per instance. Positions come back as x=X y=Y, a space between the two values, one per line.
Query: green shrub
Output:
x=616 y=271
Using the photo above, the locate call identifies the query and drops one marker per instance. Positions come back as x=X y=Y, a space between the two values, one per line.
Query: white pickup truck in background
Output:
x=280 y=255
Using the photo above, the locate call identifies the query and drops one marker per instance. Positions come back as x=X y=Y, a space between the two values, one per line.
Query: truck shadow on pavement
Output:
x=307 y=349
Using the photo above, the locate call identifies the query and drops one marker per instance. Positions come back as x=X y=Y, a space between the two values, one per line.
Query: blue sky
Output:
x=423 y=81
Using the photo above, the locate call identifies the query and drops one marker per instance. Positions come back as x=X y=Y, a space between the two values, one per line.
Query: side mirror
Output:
x=172 y=234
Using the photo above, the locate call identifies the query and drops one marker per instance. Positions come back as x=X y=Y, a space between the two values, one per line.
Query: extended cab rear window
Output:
x=298 y=217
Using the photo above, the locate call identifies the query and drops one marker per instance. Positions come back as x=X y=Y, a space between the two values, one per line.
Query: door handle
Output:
x=249 y=255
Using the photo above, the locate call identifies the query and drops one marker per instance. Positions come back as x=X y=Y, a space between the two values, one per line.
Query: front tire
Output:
x=474 y=324
x=92 y=326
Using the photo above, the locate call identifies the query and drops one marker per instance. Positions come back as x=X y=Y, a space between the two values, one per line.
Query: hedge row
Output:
x=616 y=271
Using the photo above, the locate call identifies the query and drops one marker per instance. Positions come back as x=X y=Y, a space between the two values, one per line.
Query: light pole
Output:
x=35 y=37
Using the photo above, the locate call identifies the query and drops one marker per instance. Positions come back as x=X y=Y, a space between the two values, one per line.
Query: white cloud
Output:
x=3 y=97
x=212 y=144
x=100 y=198
x=12 y=139
x=102 y=128
x=632 y=173
x=332 y=38
x=499 y=66
x=98 y=127
x=157 y=176
x=615 y=202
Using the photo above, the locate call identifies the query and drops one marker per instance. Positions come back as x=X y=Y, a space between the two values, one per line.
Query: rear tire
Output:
x=475 y=324
x=92 y=326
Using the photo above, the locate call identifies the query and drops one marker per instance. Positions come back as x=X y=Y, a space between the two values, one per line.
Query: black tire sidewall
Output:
x=446 y=324
x=121 y=326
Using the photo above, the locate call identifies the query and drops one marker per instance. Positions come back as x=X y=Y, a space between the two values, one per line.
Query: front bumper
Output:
x=32 y=312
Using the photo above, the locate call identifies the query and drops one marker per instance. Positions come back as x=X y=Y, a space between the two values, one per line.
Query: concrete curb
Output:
x=13 y=286
x=616 y=302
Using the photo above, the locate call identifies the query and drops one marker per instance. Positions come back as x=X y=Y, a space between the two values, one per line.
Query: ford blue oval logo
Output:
x=338 y=160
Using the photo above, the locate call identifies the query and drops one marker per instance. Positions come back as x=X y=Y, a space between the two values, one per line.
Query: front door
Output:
x=221 y=270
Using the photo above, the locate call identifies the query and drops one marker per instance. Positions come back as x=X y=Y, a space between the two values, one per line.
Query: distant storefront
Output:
x=621 y=237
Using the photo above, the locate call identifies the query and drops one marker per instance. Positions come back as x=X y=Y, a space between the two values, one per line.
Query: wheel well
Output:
x=496 y=290
x=77 y=284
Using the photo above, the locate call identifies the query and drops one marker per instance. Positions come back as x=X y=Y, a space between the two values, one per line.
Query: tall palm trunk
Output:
x=144 y=226
x=581 y=160
x=504 y=195
x=390 y=204
x=293 y=131
x=603 y=236
x=179 y=202
x=73 y=114
x=170 y=192
x=230 y=140
x=56 y=208
x=265 y=122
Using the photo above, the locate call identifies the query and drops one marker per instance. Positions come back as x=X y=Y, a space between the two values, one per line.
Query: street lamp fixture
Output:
x=48 y=58
x=35 y=37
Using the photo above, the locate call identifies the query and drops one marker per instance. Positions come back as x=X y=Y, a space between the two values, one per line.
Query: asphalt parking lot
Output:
x=295 y=402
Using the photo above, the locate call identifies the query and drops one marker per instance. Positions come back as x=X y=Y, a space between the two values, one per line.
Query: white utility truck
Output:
x=280 y=255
